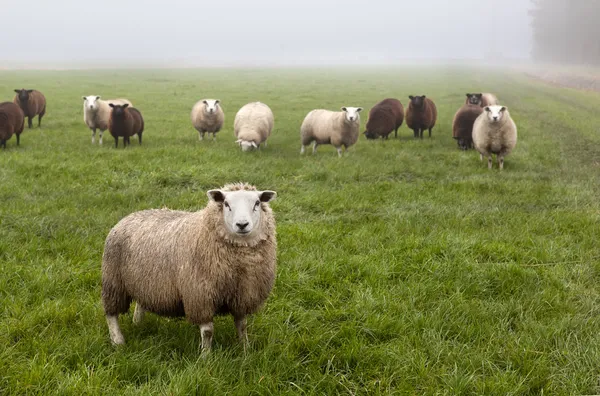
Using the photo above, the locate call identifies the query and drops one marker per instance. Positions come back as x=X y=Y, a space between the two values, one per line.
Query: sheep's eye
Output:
x=226 y=205
x=256 y=204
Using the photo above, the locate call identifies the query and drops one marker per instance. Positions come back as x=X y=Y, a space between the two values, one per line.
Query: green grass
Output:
x=405 y=266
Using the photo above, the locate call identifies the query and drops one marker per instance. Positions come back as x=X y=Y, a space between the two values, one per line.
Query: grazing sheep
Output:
x=462 y=125
x=481 y=99
x=385 y=117
x=96 y=113
x=338 y=128
x=219 y=260
x=12 y=121
x=207 y=116
x=253 y=124
x=494 y=132
x=125 y=121
x=33 y=103
x=421 y=114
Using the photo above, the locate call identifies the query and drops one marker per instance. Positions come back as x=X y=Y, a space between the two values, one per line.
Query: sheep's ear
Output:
x=359 y=109
x=344 y=109
x=205 y=102
x=216 y=195
x=423 y=96
x=487 y=108
x=97 y=97
x=411 y=97
x=111 y=105
x=254 y=144
x=126 y=105
x=468 y=95
x=29 y=90
x=84 y=98
x=217 y=101
x=17 y=90
x=502 y=109
x=266 y=196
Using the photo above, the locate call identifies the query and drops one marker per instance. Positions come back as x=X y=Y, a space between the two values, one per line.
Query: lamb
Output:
x=338 y=128
x=385 y=117
x=12 y=121
x=96 y=113
x=33 y=103
x=421 y=114
x=219 y=260
x=253 y=124
x=125 y=121
x=494 y=132
x=481 y=99
x=207 y=116
x=462 y=125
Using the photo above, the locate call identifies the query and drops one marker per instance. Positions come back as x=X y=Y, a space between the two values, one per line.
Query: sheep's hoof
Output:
x=118 y=341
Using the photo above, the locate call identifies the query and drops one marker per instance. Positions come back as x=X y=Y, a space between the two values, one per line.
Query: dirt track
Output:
x=585 y=79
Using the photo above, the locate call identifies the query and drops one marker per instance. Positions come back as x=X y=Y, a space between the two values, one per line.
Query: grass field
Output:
x=404 y=267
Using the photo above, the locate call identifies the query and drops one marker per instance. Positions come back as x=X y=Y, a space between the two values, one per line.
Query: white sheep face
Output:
x=211 y=105
x=351 y=113
x=247 y=145
x=90 y=102
x=242 y=209
x=495 y=113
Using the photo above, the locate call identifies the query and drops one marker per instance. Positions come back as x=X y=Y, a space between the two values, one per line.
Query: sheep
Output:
x=12 y=121
x=481 y=99
x=252 y=126
x=338 y=128
x=385 y=117
x=33 y=103
x=462 y=125
x=125 y=121
x=494 y=132
x=207 y=116
x=96 y=114
x=421 y=114
x=219 y=260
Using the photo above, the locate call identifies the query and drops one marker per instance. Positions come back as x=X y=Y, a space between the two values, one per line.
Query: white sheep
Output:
x=494 y=132
x=207 y=116
x=219 y=260
x=338 y=128
x=96 y=113
x=253 y=125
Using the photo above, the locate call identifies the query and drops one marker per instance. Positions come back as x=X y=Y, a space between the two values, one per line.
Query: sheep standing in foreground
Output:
x=385 y=117
x=338 y=128
x=125 y=121
x=96 y=114
x=421 y=114
x=462 y=125
x=12 y=121
x=33 y=103
x=219 y=260
x=481 y=99
x=207 y=116
x=253 y=124
x=494 y=132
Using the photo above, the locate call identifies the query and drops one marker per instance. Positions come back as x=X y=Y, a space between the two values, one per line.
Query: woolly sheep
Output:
x=253 y=124
x=219 y=260
x=421 y=114
x=32 y=103
x=12 y=121
x=494 y=132
x=207 y=116
x=125 y=121
x=96 y=113
x=462 y=125
x=338 y=128
x=481 y=99
x=385 y=117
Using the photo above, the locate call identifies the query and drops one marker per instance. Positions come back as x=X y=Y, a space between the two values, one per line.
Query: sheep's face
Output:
x=417 y=101
x=211 y=105
x=474 y=99
x=91 y=103
x=370 y=135
x=242 y=210
x=23 y=94
x=118 y=111
x=247 y=145
x=351 y=114
x=495 y=113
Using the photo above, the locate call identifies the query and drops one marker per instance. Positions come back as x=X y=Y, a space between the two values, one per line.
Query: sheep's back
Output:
x=488 y=99
x=11 y=120
x=256 y=117
x=464 y=119
x=382 y=120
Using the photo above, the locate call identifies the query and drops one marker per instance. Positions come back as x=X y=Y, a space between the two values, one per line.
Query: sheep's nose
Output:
x=242 y=225
x=495 y=118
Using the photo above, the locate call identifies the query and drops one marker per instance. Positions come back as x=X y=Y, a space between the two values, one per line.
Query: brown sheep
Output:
x=12 y=121
x=462 y=125
x=385 y=117
x=125 y=121
x=33 y=103
x=421 y=114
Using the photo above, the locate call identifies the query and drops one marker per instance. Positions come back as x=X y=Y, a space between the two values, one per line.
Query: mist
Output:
x=186 y=33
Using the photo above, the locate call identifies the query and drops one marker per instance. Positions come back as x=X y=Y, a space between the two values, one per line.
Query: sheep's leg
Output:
x=501 y=161
x=421 y=132
x=18 y=140
x=3 y=144
x=241 y=325
x=40 y=120
x=100 y=134
x=339 y=151
x=416 y=132
x=93 y=135
x=138 y=314
x=201 y=135
x=214 y=136
x=302 y=150
x=206 y=332
x=140 y=138
x=30 y=122
x=116 y=141
x=114 y=330
x=315 y=147
x=396 y=133
x=480 y=157
x=430 y=131
x=490 y=161
x=265 y=143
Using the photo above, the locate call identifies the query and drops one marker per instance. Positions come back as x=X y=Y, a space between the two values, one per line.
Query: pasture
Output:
x=406 y=266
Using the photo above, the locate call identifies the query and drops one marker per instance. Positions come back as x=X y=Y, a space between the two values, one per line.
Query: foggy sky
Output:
x=259 y=32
